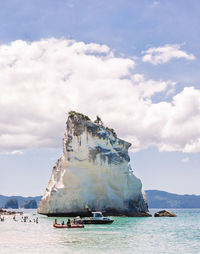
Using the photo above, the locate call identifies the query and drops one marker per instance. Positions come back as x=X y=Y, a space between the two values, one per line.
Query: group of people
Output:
x=23 y=219
x=69 y=223
x=26 y=219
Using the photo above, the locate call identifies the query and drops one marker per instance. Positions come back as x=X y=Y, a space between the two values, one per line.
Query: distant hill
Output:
x=21 y=200
x=156 y=199
x=163 y=199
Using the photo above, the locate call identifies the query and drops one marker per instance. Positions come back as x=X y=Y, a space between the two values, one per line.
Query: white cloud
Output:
x=15 y=152
x=164 y=54
x=154 y=4
x=185 y=160
x=148 y=88
x=42 y=80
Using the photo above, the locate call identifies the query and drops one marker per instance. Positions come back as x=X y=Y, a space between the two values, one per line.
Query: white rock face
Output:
x=94 y=171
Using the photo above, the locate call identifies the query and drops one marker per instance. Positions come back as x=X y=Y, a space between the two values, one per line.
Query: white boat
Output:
x=97 y=218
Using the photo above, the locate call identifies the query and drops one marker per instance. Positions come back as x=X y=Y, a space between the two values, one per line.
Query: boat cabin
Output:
x=97 y=215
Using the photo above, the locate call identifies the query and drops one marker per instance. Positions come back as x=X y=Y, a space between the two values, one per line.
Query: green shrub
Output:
x=112 y=130
x=74 y=113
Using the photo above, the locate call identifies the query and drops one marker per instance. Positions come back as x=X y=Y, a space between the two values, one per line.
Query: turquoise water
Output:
x=126 y=235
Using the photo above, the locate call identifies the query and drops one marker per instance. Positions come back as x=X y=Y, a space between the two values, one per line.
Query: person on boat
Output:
x=68 y=223
x=74 y=221
x=88 y=208
x=63 y=223
x=55 y=222
x=79 y=220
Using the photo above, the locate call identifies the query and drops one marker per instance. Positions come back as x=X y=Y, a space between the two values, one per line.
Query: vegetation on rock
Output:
x=97 y=121
x=100 y=122
x=74 y=113
x=112 y=130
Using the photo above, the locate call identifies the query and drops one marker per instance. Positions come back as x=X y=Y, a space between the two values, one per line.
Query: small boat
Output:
x=67 y=226
x=97 y=218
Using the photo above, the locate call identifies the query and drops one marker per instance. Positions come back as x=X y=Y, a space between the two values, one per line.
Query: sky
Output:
x=132 y=62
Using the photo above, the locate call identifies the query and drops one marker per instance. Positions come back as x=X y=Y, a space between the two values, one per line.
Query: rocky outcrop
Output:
x=4 y=212
x=93 y=172
x=164 y=213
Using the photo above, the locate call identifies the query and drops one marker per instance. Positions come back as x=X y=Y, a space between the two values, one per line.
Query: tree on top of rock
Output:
x=98 y=121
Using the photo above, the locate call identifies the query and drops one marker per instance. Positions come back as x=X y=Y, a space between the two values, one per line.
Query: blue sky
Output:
x=152 y=46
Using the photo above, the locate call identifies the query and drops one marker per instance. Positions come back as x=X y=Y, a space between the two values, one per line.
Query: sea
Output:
x=175 y=235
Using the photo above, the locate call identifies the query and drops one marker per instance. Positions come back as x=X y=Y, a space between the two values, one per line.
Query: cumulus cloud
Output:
x=164 y=54
x=148 y=88
x=41 y=81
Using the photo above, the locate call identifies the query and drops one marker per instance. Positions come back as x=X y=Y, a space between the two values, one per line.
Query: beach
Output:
x=126 y=235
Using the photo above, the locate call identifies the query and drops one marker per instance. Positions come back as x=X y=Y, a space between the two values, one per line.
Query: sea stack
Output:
x=94 y=172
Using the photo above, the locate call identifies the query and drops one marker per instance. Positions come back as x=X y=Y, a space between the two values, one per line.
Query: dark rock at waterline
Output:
x=4 y=212
x=105 y=213
x=164 y=213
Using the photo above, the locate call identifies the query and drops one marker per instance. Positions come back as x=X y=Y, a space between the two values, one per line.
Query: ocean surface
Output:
x=126 y=235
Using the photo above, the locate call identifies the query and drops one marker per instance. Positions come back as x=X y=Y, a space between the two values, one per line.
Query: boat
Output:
x=67 y=226
x=97 y=218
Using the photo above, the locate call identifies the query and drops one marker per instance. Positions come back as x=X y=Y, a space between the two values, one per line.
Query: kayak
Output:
x=66 y=226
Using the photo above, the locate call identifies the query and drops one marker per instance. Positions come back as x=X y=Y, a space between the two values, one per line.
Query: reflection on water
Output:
x=126 y=235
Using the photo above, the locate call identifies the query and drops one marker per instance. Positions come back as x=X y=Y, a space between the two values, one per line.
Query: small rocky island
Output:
x=12 y=203
x=94 y=172
x=30 y=204
x=164 y=213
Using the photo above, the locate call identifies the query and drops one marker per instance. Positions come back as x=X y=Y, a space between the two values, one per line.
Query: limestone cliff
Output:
x=94 y=171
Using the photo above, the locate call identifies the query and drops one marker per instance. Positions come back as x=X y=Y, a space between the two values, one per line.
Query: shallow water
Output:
x=126 y=235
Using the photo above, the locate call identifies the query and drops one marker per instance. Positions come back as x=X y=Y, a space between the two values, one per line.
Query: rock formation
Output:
x=30 y=204
x=12 y=203
x=4 y=212
x=93 y=172
x=164 y=213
